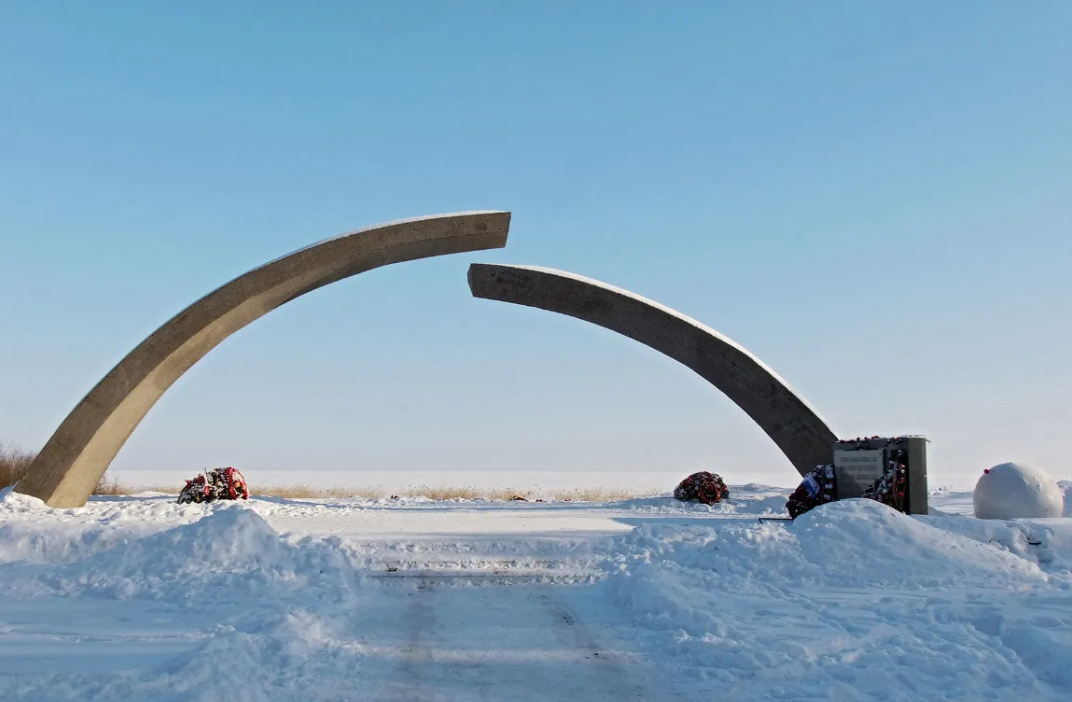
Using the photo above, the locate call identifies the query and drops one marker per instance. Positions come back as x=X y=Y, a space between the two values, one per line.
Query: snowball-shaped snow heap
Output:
x=1017 y=491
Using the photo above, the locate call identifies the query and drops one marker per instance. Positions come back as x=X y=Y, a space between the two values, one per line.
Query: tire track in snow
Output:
x=408 y=683
x=606 y=665
x=462 y=643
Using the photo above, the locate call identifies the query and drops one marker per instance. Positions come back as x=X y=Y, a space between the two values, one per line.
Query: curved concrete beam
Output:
x=74 y=459
x=795 y=427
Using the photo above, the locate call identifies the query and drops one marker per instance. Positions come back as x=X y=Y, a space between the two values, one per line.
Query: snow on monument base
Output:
x=1017 y=491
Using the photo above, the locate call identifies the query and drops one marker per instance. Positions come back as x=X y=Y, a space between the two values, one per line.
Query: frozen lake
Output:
x=635 y=482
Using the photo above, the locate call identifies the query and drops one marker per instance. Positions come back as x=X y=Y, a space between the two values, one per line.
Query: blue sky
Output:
x=873 y=197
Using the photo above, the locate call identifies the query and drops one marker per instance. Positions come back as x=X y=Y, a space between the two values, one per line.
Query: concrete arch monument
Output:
x=787 y=418
x=80 y=451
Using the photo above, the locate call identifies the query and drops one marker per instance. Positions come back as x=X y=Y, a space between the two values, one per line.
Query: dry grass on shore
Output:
x=14 y=462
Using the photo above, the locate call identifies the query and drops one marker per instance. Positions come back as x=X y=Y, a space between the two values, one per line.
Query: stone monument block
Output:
x=859 y=463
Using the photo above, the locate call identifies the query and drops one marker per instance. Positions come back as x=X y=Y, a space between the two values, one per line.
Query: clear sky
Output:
x=873 y=197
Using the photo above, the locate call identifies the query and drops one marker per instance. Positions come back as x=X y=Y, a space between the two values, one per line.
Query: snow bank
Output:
x=850 y=598
x=851 y=543
x=31 y=532
x=230 y=554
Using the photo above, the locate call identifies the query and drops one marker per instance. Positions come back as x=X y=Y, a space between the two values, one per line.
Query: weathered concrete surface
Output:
x=795 y=427
x=74 y=459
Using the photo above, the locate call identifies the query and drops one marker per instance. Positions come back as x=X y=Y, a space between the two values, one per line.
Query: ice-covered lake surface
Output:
x=538 y=483
x=137 y=598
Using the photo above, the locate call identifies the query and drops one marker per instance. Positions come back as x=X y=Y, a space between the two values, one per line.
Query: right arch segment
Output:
x=787 y=418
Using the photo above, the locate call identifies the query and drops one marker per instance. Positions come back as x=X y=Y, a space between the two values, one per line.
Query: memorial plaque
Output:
x=856 y=471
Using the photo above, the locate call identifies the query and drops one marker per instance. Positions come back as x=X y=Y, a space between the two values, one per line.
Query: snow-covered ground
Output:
x=141 y=599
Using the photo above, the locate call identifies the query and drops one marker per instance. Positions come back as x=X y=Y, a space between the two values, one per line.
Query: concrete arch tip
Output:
x=75 y=458
x=797 y=429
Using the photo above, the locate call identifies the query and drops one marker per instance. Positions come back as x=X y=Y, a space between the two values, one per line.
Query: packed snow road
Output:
x=141 y=599
x=518 y=643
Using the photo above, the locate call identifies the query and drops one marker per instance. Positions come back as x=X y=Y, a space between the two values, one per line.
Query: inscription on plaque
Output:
x=856 y=471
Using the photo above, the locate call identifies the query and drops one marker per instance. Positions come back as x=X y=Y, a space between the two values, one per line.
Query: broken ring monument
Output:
x=80 y=451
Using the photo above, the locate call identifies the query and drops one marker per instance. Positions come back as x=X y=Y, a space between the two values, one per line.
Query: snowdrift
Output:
x=852 y=596
x=229 y=555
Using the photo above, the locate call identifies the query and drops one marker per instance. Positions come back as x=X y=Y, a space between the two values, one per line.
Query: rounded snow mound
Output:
x=230 y=553
x=862 y=540
x=853 y=543
x=1017 y=491
x=233 y=538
